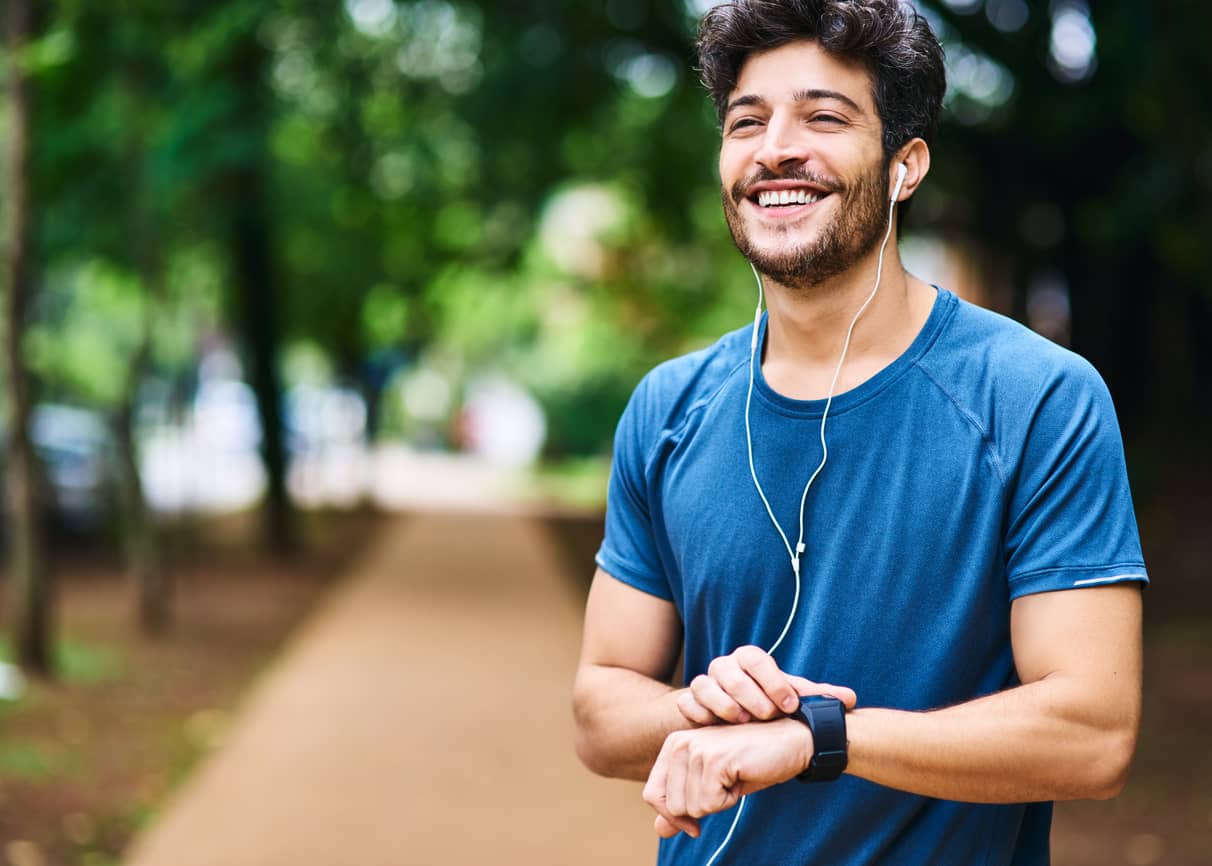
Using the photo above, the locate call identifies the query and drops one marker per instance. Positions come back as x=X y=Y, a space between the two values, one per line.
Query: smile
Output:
x=786 y=198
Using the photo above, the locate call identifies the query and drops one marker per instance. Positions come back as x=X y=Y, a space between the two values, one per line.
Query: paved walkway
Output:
x=420 y=717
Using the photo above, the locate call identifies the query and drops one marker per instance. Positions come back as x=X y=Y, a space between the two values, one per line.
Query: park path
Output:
x=420 y=716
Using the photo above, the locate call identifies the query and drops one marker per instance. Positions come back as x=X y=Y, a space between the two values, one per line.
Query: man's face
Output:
x=802 y=169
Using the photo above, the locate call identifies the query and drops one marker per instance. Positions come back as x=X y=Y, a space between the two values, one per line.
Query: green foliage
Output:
x=86 y=343
x=414 y=151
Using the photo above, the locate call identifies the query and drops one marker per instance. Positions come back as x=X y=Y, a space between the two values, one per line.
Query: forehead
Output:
x=781 y=73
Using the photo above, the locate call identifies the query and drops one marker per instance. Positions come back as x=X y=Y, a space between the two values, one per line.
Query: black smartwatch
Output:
x=826 y=718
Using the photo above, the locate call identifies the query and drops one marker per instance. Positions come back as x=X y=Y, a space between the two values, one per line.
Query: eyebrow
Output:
x=807 y=95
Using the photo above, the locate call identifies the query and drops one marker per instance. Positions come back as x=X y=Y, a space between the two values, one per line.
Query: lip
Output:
x=777 y=185
x=784 y=212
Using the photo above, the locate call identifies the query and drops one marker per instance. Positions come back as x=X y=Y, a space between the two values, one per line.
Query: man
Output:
x=968 y=584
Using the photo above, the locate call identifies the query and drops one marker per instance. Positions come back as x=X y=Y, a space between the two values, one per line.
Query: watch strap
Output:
x=826 y=717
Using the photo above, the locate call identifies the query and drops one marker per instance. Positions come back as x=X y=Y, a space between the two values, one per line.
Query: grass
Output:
x=31 y=761
x=76 y=661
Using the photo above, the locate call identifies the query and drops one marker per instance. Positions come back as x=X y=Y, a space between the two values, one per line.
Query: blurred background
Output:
x=278 y=270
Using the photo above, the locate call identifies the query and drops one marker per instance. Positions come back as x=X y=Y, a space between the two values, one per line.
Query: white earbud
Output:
x=901 y=171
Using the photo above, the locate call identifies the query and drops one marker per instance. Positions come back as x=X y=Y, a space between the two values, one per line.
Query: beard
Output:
x=857 y=225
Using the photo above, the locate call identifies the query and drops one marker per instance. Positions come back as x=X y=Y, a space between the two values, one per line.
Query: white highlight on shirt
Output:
x=1091 y=580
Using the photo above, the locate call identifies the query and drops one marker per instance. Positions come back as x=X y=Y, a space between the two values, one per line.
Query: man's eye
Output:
x=827 y=118
x=742 y=123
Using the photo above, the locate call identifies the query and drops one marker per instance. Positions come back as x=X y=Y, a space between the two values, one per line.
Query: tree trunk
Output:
x=28 y=575
x=251 y=244
x=144 y=563
x=254 y=282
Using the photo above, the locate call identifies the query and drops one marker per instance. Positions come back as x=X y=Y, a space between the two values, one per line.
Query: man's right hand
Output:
x=748 y=685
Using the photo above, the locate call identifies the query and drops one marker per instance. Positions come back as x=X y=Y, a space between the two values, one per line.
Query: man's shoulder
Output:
x=986 y=353
x=675 y=389
x=1011 y=384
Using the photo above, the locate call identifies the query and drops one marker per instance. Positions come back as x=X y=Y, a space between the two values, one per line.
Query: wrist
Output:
x=677 y=720
x=804 y=745
x=825 y=717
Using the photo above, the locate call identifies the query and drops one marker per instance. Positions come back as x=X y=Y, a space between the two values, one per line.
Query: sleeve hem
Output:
x=649 y=583
x=1053 y=579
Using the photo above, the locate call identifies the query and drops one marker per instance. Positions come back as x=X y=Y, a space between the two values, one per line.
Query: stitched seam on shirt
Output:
x=695 y=407
x=1043 y=572
x=972 y=420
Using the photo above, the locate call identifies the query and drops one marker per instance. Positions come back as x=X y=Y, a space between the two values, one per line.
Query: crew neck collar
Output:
x=944 y=302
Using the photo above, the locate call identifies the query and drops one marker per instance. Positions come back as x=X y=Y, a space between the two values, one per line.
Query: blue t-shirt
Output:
x=983 y=464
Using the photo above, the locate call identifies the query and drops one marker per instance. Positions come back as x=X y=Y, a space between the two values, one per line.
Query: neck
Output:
x=806 y=328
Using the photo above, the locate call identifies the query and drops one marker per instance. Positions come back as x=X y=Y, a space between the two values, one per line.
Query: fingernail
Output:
x=790 y=703
x=743 y=717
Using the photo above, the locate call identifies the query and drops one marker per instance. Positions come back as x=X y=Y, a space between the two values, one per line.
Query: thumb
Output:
x=805 y=687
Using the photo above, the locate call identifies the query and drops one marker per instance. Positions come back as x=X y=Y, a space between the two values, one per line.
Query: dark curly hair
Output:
x=888 y=37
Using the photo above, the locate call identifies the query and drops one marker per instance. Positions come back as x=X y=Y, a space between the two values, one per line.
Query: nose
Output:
x=781 y=147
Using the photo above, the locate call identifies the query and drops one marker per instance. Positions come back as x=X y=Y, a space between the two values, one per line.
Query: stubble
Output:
x=857 y=226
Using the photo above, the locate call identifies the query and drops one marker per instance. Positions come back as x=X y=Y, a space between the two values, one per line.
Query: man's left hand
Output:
x=703 y=771
x=747 y=684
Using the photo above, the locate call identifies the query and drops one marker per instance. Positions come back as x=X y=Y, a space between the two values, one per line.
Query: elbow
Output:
x=586 y=739
x=590 y=756
x=1110 y=771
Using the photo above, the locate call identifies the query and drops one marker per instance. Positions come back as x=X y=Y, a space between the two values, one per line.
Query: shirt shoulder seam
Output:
x=972 y=420
x=694 y=408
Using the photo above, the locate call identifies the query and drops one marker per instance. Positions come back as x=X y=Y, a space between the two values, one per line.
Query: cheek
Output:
x=725 y=170
x=734 y=159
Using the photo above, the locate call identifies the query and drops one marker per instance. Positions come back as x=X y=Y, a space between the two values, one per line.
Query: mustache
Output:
x=740 y=189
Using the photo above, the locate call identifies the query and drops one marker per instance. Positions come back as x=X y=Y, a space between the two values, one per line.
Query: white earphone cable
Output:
x=799 y=544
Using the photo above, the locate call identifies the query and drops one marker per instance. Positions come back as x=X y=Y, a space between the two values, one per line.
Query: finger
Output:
x=655 y=790
x=694 y=712
x=710 y=695
x=739 y=686
x=719 y=786
x=806 y=687
x=763 y=670
x=694 y=786
x=666 y=828
x=675 y=784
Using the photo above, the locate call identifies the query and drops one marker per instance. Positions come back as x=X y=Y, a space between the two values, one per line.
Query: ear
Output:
x=916 y=157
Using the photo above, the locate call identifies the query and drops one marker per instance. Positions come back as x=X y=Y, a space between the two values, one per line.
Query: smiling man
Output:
x=890 y=533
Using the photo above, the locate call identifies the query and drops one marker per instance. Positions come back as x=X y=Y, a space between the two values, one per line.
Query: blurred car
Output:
x=79 y=458
x=77 y=467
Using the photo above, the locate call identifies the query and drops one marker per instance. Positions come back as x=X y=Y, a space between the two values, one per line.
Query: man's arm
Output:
x=622 y=702
x=1067 y=732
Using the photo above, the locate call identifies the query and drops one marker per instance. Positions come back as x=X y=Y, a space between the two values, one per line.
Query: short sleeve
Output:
x=1071 y=522
x=629 y=550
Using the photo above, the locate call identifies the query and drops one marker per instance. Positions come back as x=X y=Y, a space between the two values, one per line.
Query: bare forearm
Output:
x=1039 y=741
x=622 y=720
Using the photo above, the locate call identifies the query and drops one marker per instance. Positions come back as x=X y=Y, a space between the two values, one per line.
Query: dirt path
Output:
x=421 y=717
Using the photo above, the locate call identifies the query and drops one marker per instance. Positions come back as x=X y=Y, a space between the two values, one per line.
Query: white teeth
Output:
x=777 y=198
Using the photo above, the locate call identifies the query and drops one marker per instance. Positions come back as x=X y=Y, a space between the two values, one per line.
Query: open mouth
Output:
x=785 y=196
